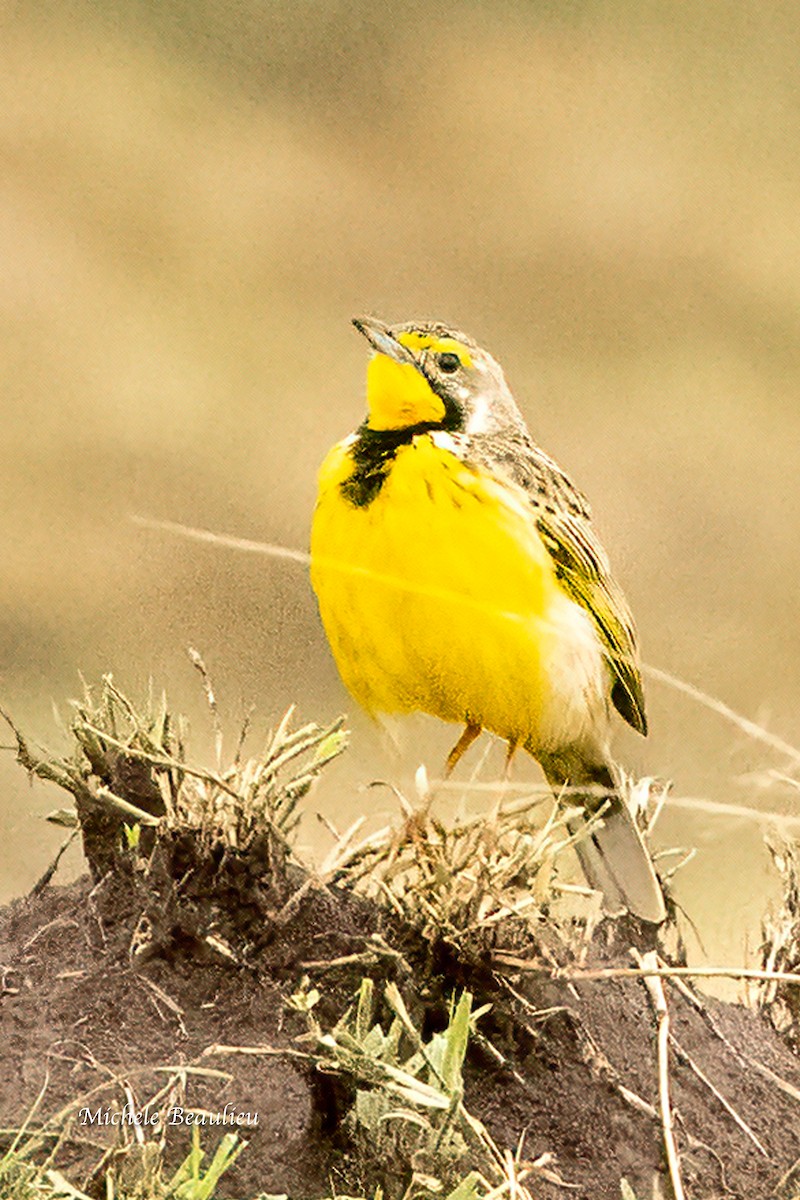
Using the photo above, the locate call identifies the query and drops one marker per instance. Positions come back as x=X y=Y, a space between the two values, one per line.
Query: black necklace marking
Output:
x=374 y=451
x=373 y=454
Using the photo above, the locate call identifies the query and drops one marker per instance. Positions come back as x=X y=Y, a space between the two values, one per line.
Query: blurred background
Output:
x=197 y=195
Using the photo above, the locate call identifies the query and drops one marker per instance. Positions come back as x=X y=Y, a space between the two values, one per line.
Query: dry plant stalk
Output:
x=780 y=947
x=579 y=975
x=648 y=962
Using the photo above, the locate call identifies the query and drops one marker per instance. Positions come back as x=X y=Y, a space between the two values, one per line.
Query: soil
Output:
x=575 y=1071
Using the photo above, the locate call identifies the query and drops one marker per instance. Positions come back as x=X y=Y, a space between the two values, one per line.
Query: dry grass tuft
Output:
x=780 y=946
x=206 y=852
x=131 y=762
x=459 y=882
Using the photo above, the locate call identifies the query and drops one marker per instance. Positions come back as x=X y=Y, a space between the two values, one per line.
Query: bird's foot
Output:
x=471 y=732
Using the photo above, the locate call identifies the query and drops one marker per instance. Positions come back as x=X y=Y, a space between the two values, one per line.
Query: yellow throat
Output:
x=398 y=395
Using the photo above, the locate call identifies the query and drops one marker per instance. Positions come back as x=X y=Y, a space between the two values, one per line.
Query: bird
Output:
x=458 y=573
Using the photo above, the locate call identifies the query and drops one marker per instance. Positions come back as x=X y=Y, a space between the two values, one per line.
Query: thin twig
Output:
x=595 y=973
x=655 y=989
x=161 y=760
x=43 y=880
x=700 y=804
x=221 y=539
x=745 y=1060
x=594 y=1058
x=687 y=1059
x=131 y=1105
x=56 y=923
x=272 y=550
x=112 y=800
x=165 y=999
x=196 y=659
x=716 y=808
x=259 y=1051
x=502 y=1062
x=744 y=723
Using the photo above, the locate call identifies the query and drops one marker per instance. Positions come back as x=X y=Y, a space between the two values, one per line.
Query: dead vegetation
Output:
x=780 y=948
x=221 y=861
x=431 y=1012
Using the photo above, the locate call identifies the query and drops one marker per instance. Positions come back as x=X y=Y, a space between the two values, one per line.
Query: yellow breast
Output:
x=439 y=596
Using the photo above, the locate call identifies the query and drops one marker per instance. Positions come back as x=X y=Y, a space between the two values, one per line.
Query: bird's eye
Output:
x=449 y=362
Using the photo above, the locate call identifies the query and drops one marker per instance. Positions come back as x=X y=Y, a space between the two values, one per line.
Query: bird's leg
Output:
x=471 y=732
x=511 y=750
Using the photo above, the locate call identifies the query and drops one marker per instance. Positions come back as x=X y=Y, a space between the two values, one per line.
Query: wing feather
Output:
x=563 y=518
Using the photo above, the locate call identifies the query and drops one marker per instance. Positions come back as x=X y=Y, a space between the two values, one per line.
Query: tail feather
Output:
x=613 y=855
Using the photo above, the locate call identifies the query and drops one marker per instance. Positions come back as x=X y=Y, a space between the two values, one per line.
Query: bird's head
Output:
x=423 y=373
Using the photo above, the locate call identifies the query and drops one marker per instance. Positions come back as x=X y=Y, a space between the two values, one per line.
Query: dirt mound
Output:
x=429 y=1015
x=571 y=1068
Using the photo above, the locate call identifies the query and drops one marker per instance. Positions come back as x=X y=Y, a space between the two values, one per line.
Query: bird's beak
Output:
x=383 y=340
